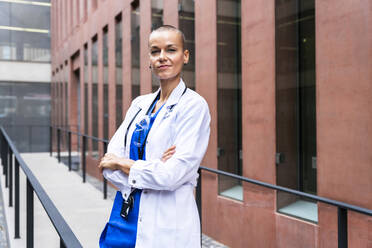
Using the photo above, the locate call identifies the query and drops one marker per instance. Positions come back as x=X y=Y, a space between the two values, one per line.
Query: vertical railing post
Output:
x=61 y=244
x=50 y=140
x=342 y=227
x=69 y=149
x=7 y=166
x=2 y=140
x=104 y=179
x=10 y=178
x=83 y=156
x=59 y=144
x=5 y=157
x=16 y=200
x=199 y=200
x=30 y=216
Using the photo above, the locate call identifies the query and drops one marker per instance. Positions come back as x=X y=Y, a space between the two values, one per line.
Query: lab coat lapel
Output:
x=141 y=106
x=172 y=100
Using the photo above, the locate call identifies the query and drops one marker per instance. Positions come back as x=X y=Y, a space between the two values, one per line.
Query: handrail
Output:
x=342 y=207
x=67 y=237
x=292 y=191
x=81 y=134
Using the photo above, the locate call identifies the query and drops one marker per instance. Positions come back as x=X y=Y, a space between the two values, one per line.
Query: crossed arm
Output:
x=113 y=162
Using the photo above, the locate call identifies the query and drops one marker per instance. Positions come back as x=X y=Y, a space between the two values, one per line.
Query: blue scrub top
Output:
x=137 y=151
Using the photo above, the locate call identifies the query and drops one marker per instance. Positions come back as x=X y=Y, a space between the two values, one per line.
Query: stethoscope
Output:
x=141 y=149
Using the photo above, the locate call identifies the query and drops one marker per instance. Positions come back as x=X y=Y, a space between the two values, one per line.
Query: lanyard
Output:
x=134 y=117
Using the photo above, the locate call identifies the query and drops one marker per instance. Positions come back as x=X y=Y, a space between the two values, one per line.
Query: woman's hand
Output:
x=113 y=162
x=168 y=153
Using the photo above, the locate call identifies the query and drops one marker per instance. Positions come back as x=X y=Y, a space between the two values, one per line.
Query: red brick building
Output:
x=289 y=86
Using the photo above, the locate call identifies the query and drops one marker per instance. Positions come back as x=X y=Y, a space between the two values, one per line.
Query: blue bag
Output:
x=121 y=230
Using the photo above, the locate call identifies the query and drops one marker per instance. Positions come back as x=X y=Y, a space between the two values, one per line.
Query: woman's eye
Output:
x=154 y=52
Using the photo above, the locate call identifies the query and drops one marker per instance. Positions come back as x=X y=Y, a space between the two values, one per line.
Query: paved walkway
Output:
x=82 y=205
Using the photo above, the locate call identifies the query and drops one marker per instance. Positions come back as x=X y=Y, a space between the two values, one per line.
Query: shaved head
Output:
x=173 y=29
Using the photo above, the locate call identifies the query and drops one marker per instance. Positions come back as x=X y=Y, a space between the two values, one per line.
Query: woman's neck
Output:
x=167 y=86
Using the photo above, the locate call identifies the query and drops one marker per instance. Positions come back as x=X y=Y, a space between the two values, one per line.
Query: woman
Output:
x=154 y=156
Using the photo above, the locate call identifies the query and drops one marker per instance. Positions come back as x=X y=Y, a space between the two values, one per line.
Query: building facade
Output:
x=289 y=86
x=25 y=72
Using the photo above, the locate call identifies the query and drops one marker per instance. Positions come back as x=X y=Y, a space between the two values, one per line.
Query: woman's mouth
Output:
x=163 y=67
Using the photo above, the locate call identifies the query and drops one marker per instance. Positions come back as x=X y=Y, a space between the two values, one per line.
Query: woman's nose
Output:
x=162 y=55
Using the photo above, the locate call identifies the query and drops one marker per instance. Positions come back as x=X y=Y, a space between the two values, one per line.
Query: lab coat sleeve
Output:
x=116 y=146
x=192 y=131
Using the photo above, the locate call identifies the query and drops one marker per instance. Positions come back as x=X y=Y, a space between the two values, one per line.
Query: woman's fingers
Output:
x=108 y=161
x=168 y=153
x=170 y=150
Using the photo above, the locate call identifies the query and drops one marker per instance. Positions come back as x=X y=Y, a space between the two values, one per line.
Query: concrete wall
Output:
x=25 y=72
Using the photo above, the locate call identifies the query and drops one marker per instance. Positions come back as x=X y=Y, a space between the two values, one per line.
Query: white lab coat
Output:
x=168 y=215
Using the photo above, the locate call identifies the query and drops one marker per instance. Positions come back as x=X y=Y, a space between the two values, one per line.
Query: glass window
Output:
x=30 y=16
x=86 y=119
x=105 y=84
x=135 y=43
x=5 y=14
x=295 y=105
x=25 y=114
x=156 y=14
x=186 y=25
x=229 y=96
x=24 y=34
x=66 y=95
x=118 y=69
x=95 y=96
x=156 y=21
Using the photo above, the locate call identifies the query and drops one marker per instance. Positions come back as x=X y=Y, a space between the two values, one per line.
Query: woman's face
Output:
x=166 y=54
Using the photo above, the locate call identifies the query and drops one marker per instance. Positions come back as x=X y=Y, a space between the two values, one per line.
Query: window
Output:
x=295 y=106
x=94 y=96
x=135 y=48
x=229 y=96
x=105 y=83
x=118 y=71
x=86 y=119
x=25 y=114
x=24 y=37
x=186 y=25
x=66 y=94
x=156 y=21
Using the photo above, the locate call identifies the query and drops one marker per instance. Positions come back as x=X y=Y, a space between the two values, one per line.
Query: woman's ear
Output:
x=186 y=56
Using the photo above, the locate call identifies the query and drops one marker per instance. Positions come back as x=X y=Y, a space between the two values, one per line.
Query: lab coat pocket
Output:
x=166 y=214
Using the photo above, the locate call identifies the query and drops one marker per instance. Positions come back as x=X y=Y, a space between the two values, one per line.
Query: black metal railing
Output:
x=84 y=148
x=342 y=207
x=9 y=153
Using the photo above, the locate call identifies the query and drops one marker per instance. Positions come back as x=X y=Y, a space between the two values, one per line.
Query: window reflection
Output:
x=118 y=69
x=25 y=114
x=95 y=96
x=229 y=96
x=186 y=25
x=295 y=101
x=105 y=84
x=156 y=21
x=135 y=49
x=86 y=119
x=24 y=35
